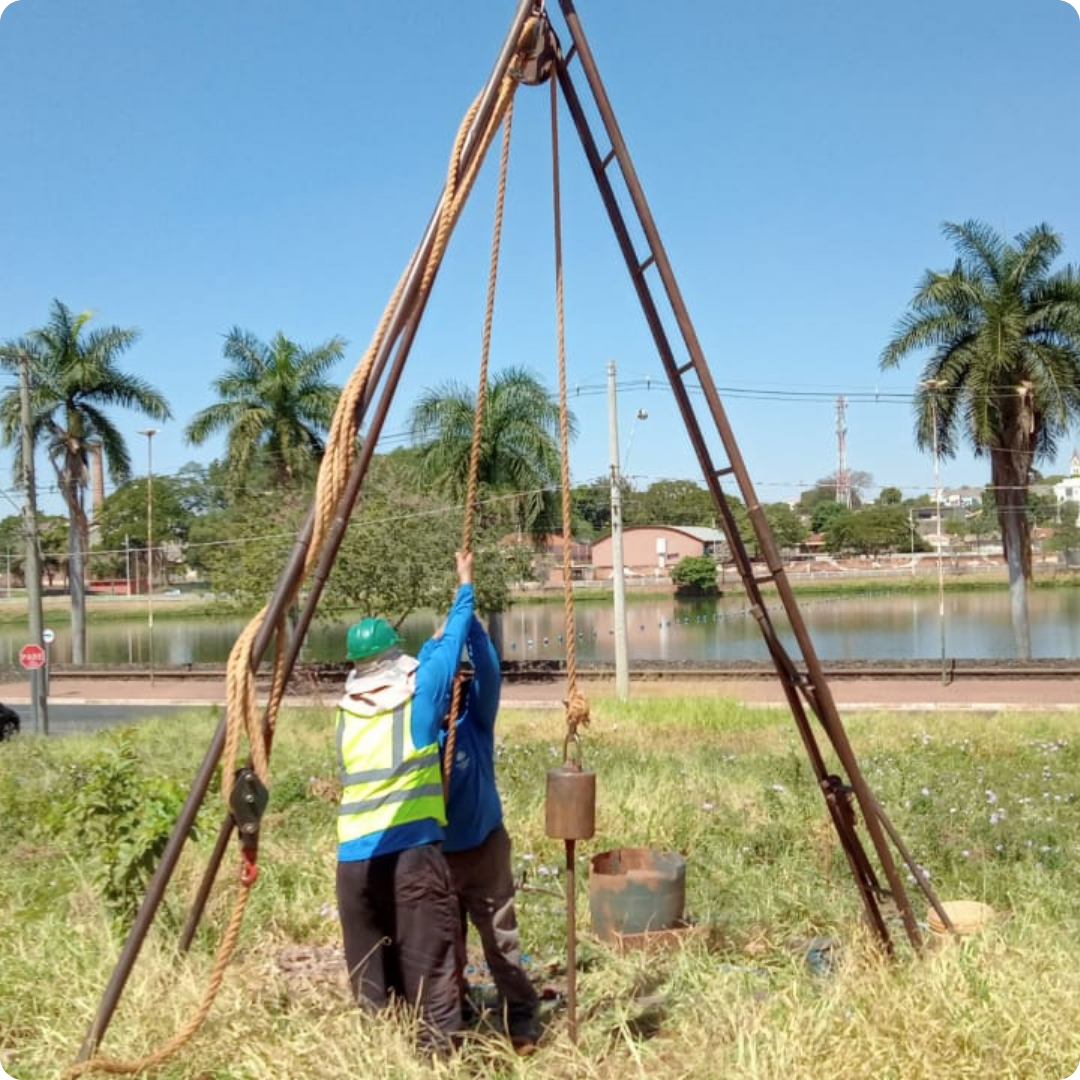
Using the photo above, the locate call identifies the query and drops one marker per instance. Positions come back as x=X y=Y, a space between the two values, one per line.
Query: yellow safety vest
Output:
x=385 y=779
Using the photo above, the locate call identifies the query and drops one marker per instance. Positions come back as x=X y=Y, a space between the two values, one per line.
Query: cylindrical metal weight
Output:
x=571 y=803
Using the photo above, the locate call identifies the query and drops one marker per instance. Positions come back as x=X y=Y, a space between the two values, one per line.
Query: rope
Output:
x=124 y=1066
x=242 y=714
x=478 y=425
x=577 y=708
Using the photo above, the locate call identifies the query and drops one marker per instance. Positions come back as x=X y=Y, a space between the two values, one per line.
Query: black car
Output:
x=9 y=722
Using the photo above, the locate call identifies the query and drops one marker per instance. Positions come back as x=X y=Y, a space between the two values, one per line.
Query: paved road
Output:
x=139 y=697
x=71 y=718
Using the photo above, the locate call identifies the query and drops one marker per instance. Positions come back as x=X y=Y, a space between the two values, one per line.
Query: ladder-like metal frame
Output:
x=804 y=687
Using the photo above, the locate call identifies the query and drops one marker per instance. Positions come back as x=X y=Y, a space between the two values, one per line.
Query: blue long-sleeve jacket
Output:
x=438 y=660
x=473 y=808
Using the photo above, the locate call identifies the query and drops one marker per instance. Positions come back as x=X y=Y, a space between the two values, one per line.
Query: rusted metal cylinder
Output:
x=571 y=802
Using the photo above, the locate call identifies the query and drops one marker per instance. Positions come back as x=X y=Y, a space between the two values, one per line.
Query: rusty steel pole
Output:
x=401 y=321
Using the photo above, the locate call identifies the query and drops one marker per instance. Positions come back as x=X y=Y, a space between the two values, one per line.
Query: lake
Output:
x=887 y=627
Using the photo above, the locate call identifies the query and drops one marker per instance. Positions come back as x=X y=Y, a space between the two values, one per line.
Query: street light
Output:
x=150 y=433
x=618 y=578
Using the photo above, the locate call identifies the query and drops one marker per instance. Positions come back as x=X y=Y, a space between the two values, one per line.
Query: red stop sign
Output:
x=32 y=657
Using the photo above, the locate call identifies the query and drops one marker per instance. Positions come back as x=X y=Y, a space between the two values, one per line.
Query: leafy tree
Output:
x=74 y=378
x=674 y=502
x=53 y=539
x=824 y=514
x=813 y=497
x=591 y=504
x=243 y=550
x=13 y=546
x=956 y=528
x=1066 y=538
x=695 y=575
x=784 y=523
x=787 y=527
x=873 y=530
x=122 y=521
x=1003 y=371
x=1042 y=509
x=275 y=406
x=398 y=554
x=829 y=487
x=890 y=496
x=202 y=489
x=519 y=452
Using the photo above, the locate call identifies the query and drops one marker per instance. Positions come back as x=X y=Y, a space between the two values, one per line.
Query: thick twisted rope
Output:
x=341 y=442
x=242 y=714
x=127 y=1066
x=478 y=423
x=577 y=707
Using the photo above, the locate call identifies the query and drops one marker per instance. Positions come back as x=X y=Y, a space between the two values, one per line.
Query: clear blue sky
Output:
x=189 y=167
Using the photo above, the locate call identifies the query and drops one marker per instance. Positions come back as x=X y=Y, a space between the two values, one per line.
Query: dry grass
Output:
x=987 y=805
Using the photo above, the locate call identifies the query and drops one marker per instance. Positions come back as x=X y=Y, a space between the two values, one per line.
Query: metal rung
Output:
x=764 y=578
x=646 y=264
x=688 y=366
x=608 y=159
x=726 y=471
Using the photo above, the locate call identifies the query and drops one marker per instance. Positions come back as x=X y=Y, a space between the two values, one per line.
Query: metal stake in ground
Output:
x=570 y=811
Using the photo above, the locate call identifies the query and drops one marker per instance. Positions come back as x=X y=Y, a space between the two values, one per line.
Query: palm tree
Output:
x=1002 y=373
x=75 y=377
x=519 y=443
x=274 y=402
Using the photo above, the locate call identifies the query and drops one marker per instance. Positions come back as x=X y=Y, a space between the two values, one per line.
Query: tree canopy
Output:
x=275 y=405
x=75 y=381
x=999 y=337
x=519 y=460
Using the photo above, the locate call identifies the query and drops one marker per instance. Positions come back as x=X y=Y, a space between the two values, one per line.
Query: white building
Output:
x=1068 y=490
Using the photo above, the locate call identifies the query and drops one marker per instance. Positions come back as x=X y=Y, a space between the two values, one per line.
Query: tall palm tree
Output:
x=75 y=378
x=1002 y=372
x=519 y=443
x=275 y=402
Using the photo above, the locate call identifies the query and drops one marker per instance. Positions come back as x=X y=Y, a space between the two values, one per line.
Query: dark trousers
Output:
x=400 y=924
x=484 y=883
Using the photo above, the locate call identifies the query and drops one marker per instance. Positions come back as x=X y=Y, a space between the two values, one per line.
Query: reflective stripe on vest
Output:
x=386 y=780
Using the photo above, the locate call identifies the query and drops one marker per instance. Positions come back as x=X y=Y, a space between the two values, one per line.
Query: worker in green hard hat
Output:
x=398 y=909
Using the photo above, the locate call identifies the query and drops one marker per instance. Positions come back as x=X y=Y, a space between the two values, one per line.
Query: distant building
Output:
x=1068 y=490
x=547 y=557
x=650 y=551
x=967 y=497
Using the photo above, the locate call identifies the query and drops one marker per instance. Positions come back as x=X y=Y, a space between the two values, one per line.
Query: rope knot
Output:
x=577 y=712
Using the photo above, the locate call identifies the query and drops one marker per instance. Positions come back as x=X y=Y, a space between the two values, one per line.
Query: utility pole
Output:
x=150 y=433
x=33 y=548
x=933 y=385
x=618 y=579
x=843 y=477
x=911 y=527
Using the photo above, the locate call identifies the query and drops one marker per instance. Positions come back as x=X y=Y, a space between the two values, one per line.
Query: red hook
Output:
x=249 y=870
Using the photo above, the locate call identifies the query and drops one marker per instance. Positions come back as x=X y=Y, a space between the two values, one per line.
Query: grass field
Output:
x=988 y=806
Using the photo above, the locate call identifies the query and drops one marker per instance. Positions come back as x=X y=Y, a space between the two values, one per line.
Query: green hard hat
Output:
x=370 y=637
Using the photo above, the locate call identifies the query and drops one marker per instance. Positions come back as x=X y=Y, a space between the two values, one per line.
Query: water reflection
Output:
x=853 y=628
